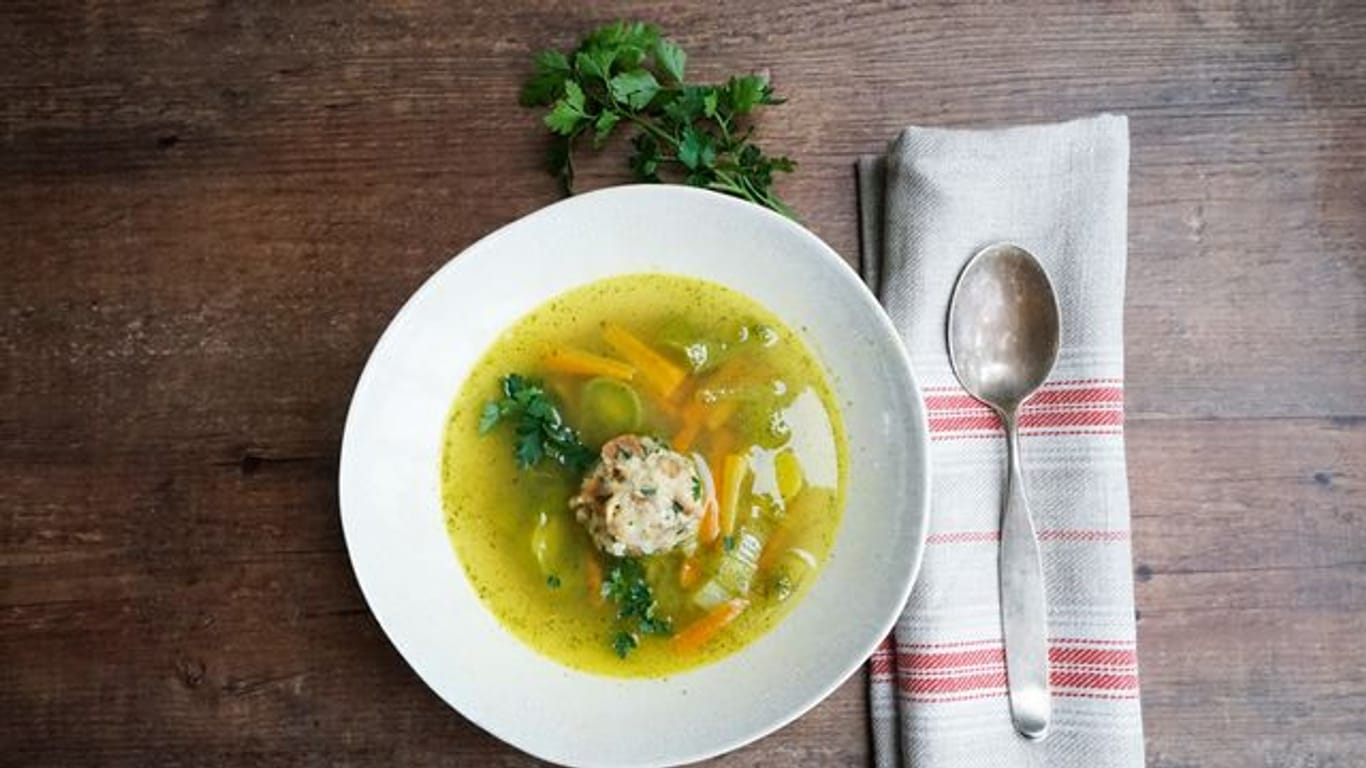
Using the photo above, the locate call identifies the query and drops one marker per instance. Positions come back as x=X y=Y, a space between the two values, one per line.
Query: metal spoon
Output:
x=1003 y=342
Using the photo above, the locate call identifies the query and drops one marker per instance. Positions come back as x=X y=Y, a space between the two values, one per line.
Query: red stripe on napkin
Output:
x=1057 y=406
x=935 y=676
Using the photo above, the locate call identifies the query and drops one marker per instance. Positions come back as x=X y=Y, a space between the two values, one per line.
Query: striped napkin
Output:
x=938 y=684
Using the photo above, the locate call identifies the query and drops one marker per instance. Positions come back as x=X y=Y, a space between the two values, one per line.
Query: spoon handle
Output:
x=1024 y=616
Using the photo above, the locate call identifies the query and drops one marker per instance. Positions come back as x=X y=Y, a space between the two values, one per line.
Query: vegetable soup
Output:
x=644 y=474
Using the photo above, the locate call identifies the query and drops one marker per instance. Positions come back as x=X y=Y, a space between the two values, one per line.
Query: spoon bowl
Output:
x=1003 y=326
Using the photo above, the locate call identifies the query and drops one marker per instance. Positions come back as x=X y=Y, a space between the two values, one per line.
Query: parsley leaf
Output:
x=627 y=75
x=595 y=63
x=655 y=625
x=645 y=161
x=636 y=87
x=540 y=431
x=696 y=150
x=552 y=581
x=743 y=94
x=623 y=643
x=631 y=41
x=489 y=417
x=567 y=114
x=529 y=449
x=552 y=70
x=603 y=126
x=671 y=59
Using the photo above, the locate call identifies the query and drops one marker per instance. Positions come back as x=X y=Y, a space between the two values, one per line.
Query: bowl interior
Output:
x=390 y=479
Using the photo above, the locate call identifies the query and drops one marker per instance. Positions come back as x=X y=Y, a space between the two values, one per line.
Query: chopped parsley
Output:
x=729 y=543
x=540 y=430
x=696 y=488
x=623 y=643
x=552 y=581
x=637 y=611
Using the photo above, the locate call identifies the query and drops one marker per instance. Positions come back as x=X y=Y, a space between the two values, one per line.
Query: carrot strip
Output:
x=689 y=572
x=727 y=373
x=693 y=415
x=696 y=634
x=773 y=549
x=580 y=363
x=663 y=376
x=722 y=441
x=733 y=472
x=666 y=409
x=721 y=413
x=593 y=570
x=709 y=530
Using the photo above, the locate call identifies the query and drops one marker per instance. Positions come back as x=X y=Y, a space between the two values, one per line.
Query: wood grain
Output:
x=209 y=210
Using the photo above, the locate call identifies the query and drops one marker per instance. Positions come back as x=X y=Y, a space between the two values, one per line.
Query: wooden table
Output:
x=209 y=210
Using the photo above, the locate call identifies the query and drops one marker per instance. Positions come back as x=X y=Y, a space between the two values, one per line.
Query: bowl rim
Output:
x=917 y=507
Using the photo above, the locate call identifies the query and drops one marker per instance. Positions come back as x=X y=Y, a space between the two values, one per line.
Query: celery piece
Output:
x=735 y=574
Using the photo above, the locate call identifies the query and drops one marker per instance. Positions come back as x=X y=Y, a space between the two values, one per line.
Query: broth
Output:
x=752 y=405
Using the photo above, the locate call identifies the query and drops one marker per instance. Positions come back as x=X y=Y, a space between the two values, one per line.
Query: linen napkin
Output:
x=938 y=684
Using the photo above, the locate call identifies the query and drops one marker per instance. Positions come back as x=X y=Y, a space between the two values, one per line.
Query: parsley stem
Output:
x=652 y=129
x=724 y=125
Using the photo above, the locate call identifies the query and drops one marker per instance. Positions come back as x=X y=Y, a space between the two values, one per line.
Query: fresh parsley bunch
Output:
x=627 y=73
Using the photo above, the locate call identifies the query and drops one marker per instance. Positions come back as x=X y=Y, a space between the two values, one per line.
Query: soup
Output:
x=643 y=474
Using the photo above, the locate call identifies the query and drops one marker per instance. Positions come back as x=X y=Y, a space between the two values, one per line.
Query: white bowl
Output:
x=391 y=458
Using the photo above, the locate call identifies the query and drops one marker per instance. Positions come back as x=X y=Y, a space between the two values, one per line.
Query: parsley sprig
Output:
x=637 y=611
x=541 y=431
x=627 y=73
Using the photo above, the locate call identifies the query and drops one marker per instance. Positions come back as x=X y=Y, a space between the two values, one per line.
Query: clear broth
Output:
x=493 y=509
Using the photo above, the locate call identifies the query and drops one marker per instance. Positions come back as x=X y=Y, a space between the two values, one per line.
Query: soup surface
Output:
x=643 y=474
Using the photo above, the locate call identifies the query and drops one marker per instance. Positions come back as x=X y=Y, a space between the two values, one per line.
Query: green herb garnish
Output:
x=729 y=543
x=696 y=488
x=623 y=643
x=626 y=586
x=552 y=581
x=540 y=430
x=628 y=73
